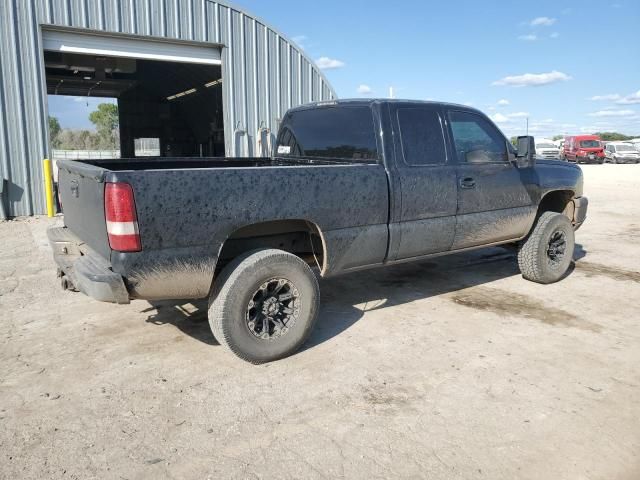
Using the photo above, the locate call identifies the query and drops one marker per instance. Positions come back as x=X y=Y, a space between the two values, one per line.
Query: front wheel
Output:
x=545 y=255
x=264 y=305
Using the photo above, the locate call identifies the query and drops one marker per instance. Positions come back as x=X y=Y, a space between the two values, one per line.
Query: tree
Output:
x=557 y=137
x=612 y=136
x=106 y=120
x=54 y=132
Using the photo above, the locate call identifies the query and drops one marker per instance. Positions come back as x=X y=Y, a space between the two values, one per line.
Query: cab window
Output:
x=476 y=140
x=332 y=132
x=421 y=136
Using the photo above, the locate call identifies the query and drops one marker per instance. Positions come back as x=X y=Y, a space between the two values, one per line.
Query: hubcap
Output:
x=557 y=247
x=273 y=309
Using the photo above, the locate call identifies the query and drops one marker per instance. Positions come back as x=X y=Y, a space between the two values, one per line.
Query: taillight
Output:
x=122 y=221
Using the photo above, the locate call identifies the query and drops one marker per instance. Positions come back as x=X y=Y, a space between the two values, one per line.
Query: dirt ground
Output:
x=450 y=368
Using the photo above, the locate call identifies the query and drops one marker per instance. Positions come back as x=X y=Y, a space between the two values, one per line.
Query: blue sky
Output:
x=569 y=66
x=73 y=112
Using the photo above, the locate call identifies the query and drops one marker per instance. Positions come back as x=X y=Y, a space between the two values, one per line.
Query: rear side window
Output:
x=343 y=133
x=422 y=136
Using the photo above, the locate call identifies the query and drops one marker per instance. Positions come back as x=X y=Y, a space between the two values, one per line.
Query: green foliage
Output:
x=106 y=120
x=514 y=141
x=54 y=132
x=613 y=136
x=106 y=136
x=557 y=137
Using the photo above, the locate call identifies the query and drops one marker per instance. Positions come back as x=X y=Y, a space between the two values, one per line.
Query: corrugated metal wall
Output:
x=263 y=73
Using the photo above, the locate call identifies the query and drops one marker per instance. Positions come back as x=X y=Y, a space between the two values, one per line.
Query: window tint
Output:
x=329 y=132
x=476 y=140
x=421 y=135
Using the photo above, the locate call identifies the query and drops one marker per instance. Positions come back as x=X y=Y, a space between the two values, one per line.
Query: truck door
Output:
x=494 y=203
x=425 y=221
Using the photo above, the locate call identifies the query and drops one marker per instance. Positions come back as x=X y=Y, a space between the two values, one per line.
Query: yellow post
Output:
x=48 y=186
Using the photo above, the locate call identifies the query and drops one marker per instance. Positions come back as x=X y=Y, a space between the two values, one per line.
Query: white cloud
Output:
x=528 y=38
x=613 y=113
x=499 y=118
x=503 y=102
x=542 y=22
x=364 y=89
x=502 y=118
x=533 y=79
x=609 y=96
x=326 y=63
x=630 y=99
x=300 y=40
x=554 y=35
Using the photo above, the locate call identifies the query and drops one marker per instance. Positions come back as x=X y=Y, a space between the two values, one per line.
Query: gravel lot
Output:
x=450 y=368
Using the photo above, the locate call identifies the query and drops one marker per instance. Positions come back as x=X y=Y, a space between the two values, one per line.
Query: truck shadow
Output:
x=190 y=317
x=347 y=298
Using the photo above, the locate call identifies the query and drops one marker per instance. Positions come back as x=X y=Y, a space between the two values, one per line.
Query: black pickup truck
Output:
x=351 y=185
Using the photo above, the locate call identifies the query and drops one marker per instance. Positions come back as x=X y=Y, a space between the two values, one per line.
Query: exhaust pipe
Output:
x=66 y=283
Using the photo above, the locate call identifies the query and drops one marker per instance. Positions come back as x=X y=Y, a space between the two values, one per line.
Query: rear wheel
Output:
x=546 y=254
x=264 y=305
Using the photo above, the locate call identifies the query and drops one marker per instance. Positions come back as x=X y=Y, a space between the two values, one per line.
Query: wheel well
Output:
x=299 y=237
x=556 y=201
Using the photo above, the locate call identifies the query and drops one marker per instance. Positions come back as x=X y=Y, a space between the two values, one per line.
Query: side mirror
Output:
x=526 y=151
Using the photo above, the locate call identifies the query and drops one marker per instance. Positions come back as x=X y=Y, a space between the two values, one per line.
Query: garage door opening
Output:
x=169 y=95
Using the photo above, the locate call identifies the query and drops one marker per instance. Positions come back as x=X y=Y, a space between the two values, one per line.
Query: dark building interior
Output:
x=180 y=104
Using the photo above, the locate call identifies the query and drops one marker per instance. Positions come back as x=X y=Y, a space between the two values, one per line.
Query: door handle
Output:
x=467 y=183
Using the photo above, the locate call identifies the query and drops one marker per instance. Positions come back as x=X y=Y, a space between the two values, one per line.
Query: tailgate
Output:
x=81 y=188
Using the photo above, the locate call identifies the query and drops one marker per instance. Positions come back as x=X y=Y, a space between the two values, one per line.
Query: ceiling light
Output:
x=182 y=94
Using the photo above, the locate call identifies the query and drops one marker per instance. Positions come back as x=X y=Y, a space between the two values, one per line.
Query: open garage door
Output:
x=169 y=93
x=129 y=47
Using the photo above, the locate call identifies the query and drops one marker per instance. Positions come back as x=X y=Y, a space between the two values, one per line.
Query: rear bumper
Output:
x=581 y=204
x=590 y=160
x=87 y=271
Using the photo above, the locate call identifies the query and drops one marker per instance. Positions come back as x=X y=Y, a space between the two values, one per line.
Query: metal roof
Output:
x=264 y=73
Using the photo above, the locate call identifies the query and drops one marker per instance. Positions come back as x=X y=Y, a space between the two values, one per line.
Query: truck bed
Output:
x=163 y=163
x=187 y=208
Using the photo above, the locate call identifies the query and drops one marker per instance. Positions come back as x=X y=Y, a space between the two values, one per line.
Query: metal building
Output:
x=203 y=76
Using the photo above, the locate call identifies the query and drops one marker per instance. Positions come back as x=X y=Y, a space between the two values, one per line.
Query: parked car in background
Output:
x=636 y=143
x=545 y=148
x=583 y=149
x=621 y=152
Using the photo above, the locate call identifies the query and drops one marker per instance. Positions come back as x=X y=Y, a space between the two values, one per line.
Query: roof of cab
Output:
x=372 y=101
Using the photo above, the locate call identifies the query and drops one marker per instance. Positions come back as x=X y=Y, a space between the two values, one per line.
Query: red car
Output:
x=583 y=149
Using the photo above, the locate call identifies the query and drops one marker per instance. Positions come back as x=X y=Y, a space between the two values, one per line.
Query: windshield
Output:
x=545 y=145
x=625 y=148
x=590 y=144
